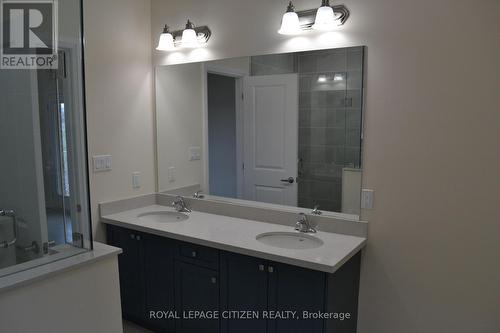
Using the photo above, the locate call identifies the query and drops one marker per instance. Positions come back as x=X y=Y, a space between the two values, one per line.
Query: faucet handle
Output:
x=177 y=201
x=303 y=224
x=198 y=195
x=316 y=210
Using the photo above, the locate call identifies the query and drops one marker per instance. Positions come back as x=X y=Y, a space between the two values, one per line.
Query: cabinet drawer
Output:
x=198 y=255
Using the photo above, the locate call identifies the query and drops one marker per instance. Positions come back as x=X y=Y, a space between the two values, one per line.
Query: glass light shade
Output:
x=290 y=24
x=166 y=42
x=325 y=19
x=338 y=77
x=189 y=38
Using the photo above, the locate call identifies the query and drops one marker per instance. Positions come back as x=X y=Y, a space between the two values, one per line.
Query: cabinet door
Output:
x=159 y=280
x=243 y=288
x=295 y=289
x=131 y=271
x=197 y=289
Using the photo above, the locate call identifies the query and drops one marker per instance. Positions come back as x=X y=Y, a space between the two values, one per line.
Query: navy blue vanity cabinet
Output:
x=251 y=284
x=244 y=283
x=342 y=292
x=197 y=289
x=159 y=276
x=296 y=289
x=131 y=268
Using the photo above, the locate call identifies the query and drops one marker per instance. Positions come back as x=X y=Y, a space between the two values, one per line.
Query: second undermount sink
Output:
x=290 y=240
x=163 y=216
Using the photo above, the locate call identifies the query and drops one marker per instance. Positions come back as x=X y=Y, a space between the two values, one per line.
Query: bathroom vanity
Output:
x=265 y=138
x=244 y=275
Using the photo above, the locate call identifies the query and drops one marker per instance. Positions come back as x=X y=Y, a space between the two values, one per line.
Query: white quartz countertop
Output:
x=239 y=236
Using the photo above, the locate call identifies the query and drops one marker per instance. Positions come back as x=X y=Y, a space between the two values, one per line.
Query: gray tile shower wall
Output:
x=330 y=118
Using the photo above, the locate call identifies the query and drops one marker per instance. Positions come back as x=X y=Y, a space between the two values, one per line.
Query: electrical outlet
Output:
x=136 y=180
x=102 y=163
x=367 y=198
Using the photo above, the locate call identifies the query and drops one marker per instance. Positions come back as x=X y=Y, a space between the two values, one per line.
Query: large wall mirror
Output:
x=277 y=129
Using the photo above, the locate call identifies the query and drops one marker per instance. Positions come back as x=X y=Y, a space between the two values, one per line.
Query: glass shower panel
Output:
x=43 y=167
x=329 y=124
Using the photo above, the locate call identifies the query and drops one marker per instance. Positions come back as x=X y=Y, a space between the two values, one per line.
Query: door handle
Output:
x=289 y=180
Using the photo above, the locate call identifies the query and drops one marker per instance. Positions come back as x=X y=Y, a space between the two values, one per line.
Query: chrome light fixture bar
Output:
x=313 y=19
x=189 y=37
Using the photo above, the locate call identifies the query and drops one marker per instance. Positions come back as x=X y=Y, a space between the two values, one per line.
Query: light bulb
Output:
x=189 y=36
x=166 y=42
x=290 y=23
x=325 y=18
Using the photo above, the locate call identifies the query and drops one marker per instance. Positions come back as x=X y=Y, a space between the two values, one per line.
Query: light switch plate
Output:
x=367 y=198
x=194 y=153
x=102 y=163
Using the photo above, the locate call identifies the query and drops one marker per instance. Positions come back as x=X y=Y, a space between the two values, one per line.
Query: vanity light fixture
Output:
x=324 y=18
x=189 y=37
x=166 y=42
x=290 y=24
x=329 y=78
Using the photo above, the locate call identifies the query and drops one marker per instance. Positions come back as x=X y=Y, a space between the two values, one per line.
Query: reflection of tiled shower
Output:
x=330 y=118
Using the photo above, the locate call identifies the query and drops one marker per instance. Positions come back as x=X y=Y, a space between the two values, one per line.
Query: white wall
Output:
x=431 y=150
x=240 y=66
x=119 y=87
x=80 y=300
x=179 y=101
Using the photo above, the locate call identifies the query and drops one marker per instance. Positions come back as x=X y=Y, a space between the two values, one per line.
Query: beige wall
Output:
x=82 y=300
x=432 y=150
x=119 y=87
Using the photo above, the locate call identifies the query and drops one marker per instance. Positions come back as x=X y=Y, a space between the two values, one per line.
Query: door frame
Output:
x=239 y=108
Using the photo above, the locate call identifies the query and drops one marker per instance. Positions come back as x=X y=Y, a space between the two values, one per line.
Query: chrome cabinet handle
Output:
x=132 y=236
x=214 y=280
x=261 y=268
x=270 y=269
x=289 y=180
x=194 y=254
x=138 y=237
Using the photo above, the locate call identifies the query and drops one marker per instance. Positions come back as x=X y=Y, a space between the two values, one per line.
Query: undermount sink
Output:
x=163 y=216
x=290 y=240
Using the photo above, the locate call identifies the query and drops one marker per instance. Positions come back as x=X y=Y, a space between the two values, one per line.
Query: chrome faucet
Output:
x=180 y=205
x=316 y=210
x=303 y=225
x=12 y=214
x=198 y=195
